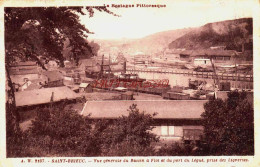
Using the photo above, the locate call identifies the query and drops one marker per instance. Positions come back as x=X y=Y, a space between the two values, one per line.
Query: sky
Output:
x=139 y=22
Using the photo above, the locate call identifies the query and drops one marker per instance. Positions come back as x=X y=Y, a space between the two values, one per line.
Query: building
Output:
x=54 y=78
x=72 y=75
x=129 y=95
x=175 y=120
x=26 y=76
x=85 y=87
x=176 y=95
x=202 y=62
x=23 y=71
x=217 y=55
x=44 y=96
x=140 y=58
x=172 y=54
x=186 y=55
x=30 y=85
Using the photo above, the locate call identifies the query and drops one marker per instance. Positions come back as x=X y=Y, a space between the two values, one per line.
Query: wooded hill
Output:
x=231 y=33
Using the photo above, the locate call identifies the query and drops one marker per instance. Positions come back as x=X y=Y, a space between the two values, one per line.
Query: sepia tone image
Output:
x=129 y=80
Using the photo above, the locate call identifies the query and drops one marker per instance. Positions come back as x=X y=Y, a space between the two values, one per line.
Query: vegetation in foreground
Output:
x=229 y=130
x=229 y=125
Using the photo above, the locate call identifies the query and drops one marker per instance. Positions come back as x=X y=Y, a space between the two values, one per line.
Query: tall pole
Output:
x=109 y=66
x=216 y=82
x=102 y=64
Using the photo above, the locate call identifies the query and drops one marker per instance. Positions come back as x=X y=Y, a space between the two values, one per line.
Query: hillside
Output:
x=149 y=44
x=230 y=33
x=156 y=42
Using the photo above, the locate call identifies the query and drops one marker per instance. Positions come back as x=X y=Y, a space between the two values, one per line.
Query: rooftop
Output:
x=165 y=109
x=26 y=63
x=23 y=69
x=33 y=86
x=53 y=75
x=43 y=96
x=210 y=52
x=24 y=72
x=214 y=52
x=84 y=85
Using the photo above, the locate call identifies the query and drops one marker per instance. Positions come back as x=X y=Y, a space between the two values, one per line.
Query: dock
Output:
x=209 y=75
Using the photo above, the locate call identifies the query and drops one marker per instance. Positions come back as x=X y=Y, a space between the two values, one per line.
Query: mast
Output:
x=109 y=66
x=102 y=68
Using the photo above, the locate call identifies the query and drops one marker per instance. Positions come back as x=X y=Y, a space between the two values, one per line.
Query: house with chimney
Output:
x=41 y=97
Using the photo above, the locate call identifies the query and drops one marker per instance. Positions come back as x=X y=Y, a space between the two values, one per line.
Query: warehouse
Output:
x=174 y=121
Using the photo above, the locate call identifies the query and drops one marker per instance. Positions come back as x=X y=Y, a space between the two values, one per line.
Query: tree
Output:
x=84 y=55
x=129 y=135
x=60 y=131
x=34 y=32
x=13 y=132
x=50 y=27
x=95 y=47
x=229 y=125
x=63 y=132
x=241 y=35
x=177 y=149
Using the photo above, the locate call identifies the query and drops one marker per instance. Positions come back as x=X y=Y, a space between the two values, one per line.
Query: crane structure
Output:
x=216 y=80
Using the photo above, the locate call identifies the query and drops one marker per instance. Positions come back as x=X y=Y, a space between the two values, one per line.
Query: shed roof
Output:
x=84 y=85
x=166 y=109
x=43 y=96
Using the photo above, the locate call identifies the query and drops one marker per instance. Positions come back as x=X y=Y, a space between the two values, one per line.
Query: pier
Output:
x=208 y=75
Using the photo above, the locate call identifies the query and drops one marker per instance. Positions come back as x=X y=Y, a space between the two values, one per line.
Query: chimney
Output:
x=52 y=97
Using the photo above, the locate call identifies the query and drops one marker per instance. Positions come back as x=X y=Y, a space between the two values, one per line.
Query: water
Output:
x=183 y=80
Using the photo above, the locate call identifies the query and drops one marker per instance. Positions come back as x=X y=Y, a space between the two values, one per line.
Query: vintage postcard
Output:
x=124 y=82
